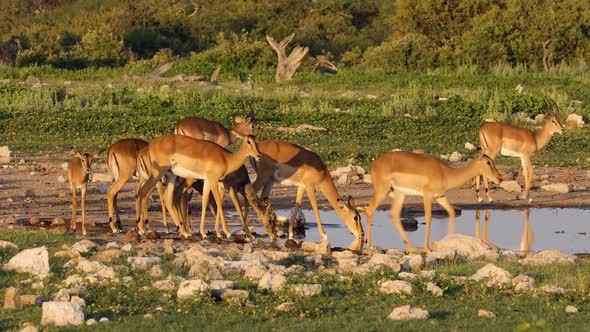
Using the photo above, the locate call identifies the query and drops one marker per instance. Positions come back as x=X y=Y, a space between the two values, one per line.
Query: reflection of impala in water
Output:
x=527 y=233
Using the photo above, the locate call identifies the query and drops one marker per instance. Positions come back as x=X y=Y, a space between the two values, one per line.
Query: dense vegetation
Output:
x=400 y=34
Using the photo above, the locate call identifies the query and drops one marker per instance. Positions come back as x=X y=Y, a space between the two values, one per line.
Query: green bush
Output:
x=413 y=51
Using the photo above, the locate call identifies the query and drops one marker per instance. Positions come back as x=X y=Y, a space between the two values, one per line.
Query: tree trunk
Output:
x=287 y=64
x=547 y=57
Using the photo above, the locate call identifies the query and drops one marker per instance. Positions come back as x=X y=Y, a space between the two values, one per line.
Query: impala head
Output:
x=252 y=145
x=85 y=158
x=554 y=124
x=244 y=127
x=488 y=169
x=353 y=218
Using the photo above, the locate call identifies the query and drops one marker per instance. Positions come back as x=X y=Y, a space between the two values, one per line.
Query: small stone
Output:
x=29 y=327
x=80 y=301
x=562 y=188
x=156 y=271
x=494 y=275
x=58 y=221
x=485 y=314
x=143 y=263
x=61 y=179
x=127 y=247
x=272 y=281
x=12 y=298
x=434 y=289
x=38 y=285
x=287 y=307
x=511 y=186
x=191 y=288
x=570 y=309
x=407 y=276
x=132 y=236
x=408 y=312
x=247 y=248
x=307 y=290
x=34 y=261
x=413 y=261
x=34 y=221
x=163 y=285
x=576 y=119
x=148 y=316
x=469 y=146
x=102 y=177
x=103 y=320
x=428 y=274
x=7 y=245
x=548 y=257
x=29 y=299
x=395 y=287
x=455 y=157
x=91 y=321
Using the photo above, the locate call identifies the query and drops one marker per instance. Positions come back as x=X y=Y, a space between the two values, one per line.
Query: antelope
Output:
x=191 y=158
x=415 y=174
x=501 y=138
x=78 y=174
x=123 y=162
x=292 y=165
x=201 y=128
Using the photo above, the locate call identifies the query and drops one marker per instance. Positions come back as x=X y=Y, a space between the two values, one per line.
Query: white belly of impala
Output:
x=185 y=173
x=284 y=181
x=509 y=153
x=408 y=191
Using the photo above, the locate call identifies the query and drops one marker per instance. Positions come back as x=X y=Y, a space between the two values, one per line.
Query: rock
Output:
x=58 y=221
x=61 y=179
x=548 y=257
x=434 y=289
x=204 y=270
x=255 y=272
x=413 y=261
x=231 y=294
x=407 y=276
x=444 y=157
x=62 y=314
x=7 y=245
x=306 y=290
x=578 y=120
x=34 y=261
x=387 y=260
x=102 y=177
x=343 y=179
x=367 y=178
x=322 y=247
x=428 y=274
x=30 y=299
x=164 y=285
x=570 y=309
x=67 y=254
x=408 y=312
x=465 y=246
x=103 y=320
x=4 y=155
x=87 y=266
x=29 y=193
x=395 y=287
x=511 y=186
x=34 y=221
x=154 y=236
x=109 y=255
x=523 y=283
x=562 y=188
x=287 y=307
x=84 y=246
x=272 y=281
x=103 y=188
x=346 y=254
x=80 y=301
x=156 y=271
x=74 y=280
x=143 y=263
x=91 y=321
x=469 y=146
x=494 y=275
x=455 y=157
x=190 y=288
x=128 y=247
x=38 y=285
x=29 y=327
x=485 y=314
x=12 y=298
x=221 y=284
x=247 y=248
x=552 y=289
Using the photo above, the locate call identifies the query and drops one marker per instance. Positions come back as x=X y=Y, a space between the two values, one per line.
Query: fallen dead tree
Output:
x=287 y=64
x=156 y=75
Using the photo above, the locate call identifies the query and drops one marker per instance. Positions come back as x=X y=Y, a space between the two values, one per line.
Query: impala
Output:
x=415 y=174
x=292 y=165
x=191 y=158
x=201 y=128
x=500 y=138
x=123 y=162
x=78 y=173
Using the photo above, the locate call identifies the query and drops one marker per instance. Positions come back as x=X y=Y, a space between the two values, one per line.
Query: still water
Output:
x=566 y=229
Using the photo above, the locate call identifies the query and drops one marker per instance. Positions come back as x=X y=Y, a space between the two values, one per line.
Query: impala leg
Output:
x=528 y=176
x=314 y=204
x=217 y=214
x=245 y=213
x=204 y=203
x=298 y=200
x=485 y=226
x=84 y=187
x=160 y=188
x=486 y=188
x=112 y=195
x=477 y=222
x=477 y=181
x=117 y=214
x=380 y=190
x=219 y=200
x=444 y=202
x=243 y=217
x=144 y=213
x=138 y=207
x=428 y=217
x=396 y=210
x=74 y=207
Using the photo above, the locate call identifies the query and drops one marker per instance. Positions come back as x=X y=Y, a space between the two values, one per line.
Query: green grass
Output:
x=355 y=304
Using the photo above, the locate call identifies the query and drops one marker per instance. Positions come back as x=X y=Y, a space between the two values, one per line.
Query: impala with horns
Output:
x=292 y=165
x=123 y=160
x=415 y=174
x=191 y=158
x=78 y=174
x=213 y=131
x=501 y=138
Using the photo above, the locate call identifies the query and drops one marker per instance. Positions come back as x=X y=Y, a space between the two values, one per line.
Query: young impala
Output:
x=191 y=159
x=501 y=138
x=78 y=174
x=415 y=174
x=290 y=164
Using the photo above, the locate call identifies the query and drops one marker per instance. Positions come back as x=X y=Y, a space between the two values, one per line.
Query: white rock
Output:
x=494 y=275
x=485 y=314
x=558 y=187
x=428 y=274
x=84 y=246
x=575 y=118
x=287 y=307
x=455 y=157
x=413 y=261
x=548 y=257
x=434 y=289
x=190 y=288
x=395 y=287
x=465 y=246
x=408 y=312
x=34 y=261
x=7 y=245
x=407 y=276
x=255 y=272
x=61 y=179
x=343 y=179
x=91 y=321
x=87 y=266
x=102 y=177
x=272 y=281
x=29 y=328
x=221 y=284
x=367 y=178
x=307 y=290
x=112 y=245
x=552 y=289
x=386 y=260
x=127 y=247
x=469 y=146
x=164 y=285
x=511 y=186
x=143 y=263
x=74 y=280
x=80 y=301
x=570 y=309
x=103 y=320
x=62 y=314
x=226 y=294
x=156 y=271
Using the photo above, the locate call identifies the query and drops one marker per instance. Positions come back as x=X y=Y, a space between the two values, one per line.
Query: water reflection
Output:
x=527 y=232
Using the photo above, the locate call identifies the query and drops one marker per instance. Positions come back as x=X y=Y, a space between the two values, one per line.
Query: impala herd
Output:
x=196 y=156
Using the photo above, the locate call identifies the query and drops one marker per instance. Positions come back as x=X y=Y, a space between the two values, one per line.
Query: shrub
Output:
x=413 y=51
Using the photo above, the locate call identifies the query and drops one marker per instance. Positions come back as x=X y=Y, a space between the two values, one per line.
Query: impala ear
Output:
x=238 y=119
x=75 y=152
